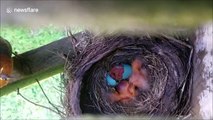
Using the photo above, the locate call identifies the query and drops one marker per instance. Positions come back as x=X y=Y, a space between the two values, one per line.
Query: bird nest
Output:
x=167 y=61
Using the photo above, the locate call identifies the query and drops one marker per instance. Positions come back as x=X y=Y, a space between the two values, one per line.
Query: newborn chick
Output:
x=125 y=92
x=138 y=77
x=116 y=72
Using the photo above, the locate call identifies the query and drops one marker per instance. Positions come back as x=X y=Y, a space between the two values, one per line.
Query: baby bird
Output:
x=6 y=62
x=125 y=92
x=116 y=72
x=138 y=77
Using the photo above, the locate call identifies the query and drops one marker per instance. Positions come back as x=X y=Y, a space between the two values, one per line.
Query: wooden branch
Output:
x=39 y=63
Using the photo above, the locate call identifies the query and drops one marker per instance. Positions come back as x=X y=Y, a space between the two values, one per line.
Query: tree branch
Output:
x=40 y=63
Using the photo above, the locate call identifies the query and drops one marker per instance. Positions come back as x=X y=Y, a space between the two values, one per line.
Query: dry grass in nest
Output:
x=166 y=59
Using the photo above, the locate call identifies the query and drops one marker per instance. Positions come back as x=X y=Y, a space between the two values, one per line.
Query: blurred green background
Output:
x=13 y=106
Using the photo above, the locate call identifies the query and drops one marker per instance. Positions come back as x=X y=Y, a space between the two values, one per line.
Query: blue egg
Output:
x=127 y=71
x=110 y=81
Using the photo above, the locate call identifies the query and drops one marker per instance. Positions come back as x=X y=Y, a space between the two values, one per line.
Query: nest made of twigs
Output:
x=166 y=60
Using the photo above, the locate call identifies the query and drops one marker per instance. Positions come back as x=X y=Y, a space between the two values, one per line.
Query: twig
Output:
x=18 y=93
x=73 y=40
x=59 y=112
